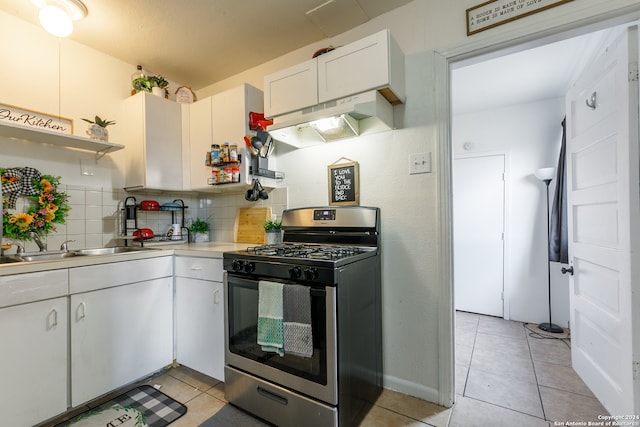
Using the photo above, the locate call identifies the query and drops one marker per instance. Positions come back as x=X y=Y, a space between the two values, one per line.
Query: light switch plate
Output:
x=419 y=163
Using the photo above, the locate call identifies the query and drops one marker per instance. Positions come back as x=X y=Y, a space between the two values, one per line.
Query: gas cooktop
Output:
x=308 y=250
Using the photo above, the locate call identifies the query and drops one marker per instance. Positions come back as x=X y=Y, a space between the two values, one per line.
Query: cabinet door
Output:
x=119 y=335
x=360 y=66
x=200 y=140
x=291 y=89
x=200 y=326
x=154 y=142
x=33 y=362
x=163 y=143
x=230 y=120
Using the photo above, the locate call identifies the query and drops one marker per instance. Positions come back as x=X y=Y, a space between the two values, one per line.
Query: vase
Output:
x=202 y=237
x=98 y=132
x=273 y=236
x=157 y=91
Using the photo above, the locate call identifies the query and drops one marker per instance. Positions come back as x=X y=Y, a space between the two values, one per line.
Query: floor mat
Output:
x=231 y=416
x=144 y=406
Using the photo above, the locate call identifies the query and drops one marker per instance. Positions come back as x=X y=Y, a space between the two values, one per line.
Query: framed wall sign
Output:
x=33 y=119
x=344 y=187
x=497 y=12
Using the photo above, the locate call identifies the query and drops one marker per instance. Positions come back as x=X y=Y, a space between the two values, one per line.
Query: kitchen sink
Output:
x=109 y=251
x=45 y=256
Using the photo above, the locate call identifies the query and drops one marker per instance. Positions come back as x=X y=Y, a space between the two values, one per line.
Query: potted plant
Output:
x=158 y=85
x=200 y=230
x=273 y=232
x=98 y=128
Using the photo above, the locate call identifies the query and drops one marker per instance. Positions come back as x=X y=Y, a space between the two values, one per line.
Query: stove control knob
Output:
x=237 y=265
x=295 y=272
x=249 y=267
x=311 y=273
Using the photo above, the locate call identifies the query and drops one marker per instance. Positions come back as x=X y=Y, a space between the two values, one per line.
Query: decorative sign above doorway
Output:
x=497 y=12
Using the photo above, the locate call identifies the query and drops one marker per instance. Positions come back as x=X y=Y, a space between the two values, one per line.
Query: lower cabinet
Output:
x=199 y=305
x=118 y=335
x=33 y=364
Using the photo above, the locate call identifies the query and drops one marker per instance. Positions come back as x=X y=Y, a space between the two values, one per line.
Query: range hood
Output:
x=362 y=114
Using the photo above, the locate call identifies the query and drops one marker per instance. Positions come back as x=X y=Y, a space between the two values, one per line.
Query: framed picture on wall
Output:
x=344 y=185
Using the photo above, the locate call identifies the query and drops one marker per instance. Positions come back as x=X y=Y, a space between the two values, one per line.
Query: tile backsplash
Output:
x=96 y=217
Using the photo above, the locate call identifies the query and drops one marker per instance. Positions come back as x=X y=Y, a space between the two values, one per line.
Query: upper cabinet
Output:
x=373 y=63
x=221 y=118
x=154 y=143
x=291 y=89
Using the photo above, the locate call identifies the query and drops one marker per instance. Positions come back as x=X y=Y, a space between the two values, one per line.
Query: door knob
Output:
x=567 y=270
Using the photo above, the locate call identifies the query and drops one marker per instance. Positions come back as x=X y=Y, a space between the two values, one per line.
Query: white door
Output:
x=603 y=215
x=478 y=225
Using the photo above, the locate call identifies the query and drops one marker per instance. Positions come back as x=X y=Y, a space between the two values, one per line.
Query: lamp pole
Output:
x=549 y=327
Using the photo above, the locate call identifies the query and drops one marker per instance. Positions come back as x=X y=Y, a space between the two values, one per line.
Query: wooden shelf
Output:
x=46 y=137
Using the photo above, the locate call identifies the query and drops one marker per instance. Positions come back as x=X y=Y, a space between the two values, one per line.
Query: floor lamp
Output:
x=546 y=175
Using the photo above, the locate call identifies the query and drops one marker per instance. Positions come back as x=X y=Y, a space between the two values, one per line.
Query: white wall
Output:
x=530 y=136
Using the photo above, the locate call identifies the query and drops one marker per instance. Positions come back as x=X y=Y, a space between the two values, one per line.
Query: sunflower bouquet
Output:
x=46 y=208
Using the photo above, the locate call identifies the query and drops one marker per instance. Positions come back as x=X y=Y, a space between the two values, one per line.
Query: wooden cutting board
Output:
x=249 y=224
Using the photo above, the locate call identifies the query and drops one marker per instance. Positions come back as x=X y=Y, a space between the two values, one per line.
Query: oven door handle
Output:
x=270 y=395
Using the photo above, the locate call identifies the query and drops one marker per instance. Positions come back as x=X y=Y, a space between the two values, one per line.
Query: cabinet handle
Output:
x=81 y=311
x=216 y=296
x=196 y=267
x=52 y=319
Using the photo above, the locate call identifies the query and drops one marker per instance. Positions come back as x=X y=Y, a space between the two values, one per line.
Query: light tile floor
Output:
x=504 y=377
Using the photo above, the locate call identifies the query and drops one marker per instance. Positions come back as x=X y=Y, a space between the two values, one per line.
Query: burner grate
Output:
x=311 y=251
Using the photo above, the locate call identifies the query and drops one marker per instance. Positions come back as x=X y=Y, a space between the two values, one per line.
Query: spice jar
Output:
x=215 y=154
x=233 y=153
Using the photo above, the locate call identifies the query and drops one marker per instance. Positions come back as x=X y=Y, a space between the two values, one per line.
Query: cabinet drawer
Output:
x=93 y=277
x=30 y=287
x=199 y=268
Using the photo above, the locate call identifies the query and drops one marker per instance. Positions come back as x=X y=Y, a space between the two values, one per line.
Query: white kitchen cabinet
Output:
x=291 y=89
x=224 y=117
x=200 y=140
x=33 y=363
x=373 y=63
x=122 y=332
x=199 y=305
x=153 y=129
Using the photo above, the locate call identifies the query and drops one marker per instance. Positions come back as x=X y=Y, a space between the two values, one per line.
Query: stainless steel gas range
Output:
x=303 y=320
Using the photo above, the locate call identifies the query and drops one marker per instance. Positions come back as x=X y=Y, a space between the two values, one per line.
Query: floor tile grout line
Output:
x=535 y=373
x=508 y=409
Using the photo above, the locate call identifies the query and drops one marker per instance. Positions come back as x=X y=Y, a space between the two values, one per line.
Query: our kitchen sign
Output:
x=344 y=188
x=497 y=12
x=31 y=119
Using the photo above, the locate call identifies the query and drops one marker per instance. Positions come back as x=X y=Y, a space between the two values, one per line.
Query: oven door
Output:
x=315 y=376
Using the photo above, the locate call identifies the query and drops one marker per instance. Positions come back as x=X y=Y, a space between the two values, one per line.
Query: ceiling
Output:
x=200 y=42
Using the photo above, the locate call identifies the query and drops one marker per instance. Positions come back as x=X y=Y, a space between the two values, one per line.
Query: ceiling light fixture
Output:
x=57 y=16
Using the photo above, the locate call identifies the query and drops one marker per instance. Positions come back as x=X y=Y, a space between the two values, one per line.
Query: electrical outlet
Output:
x=419 y=163
x=86 y=168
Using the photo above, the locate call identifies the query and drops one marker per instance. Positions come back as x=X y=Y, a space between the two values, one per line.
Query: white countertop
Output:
x=208 y=249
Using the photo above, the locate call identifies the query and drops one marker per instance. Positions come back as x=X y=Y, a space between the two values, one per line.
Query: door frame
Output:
x=506 y=288
x=562 y=26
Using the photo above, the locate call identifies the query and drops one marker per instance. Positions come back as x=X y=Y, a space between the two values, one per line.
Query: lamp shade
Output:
x=544 y=174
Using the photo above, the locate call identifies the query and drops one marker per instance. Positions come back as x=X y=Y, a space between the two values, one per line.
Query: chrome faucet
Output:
x=41 y=245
